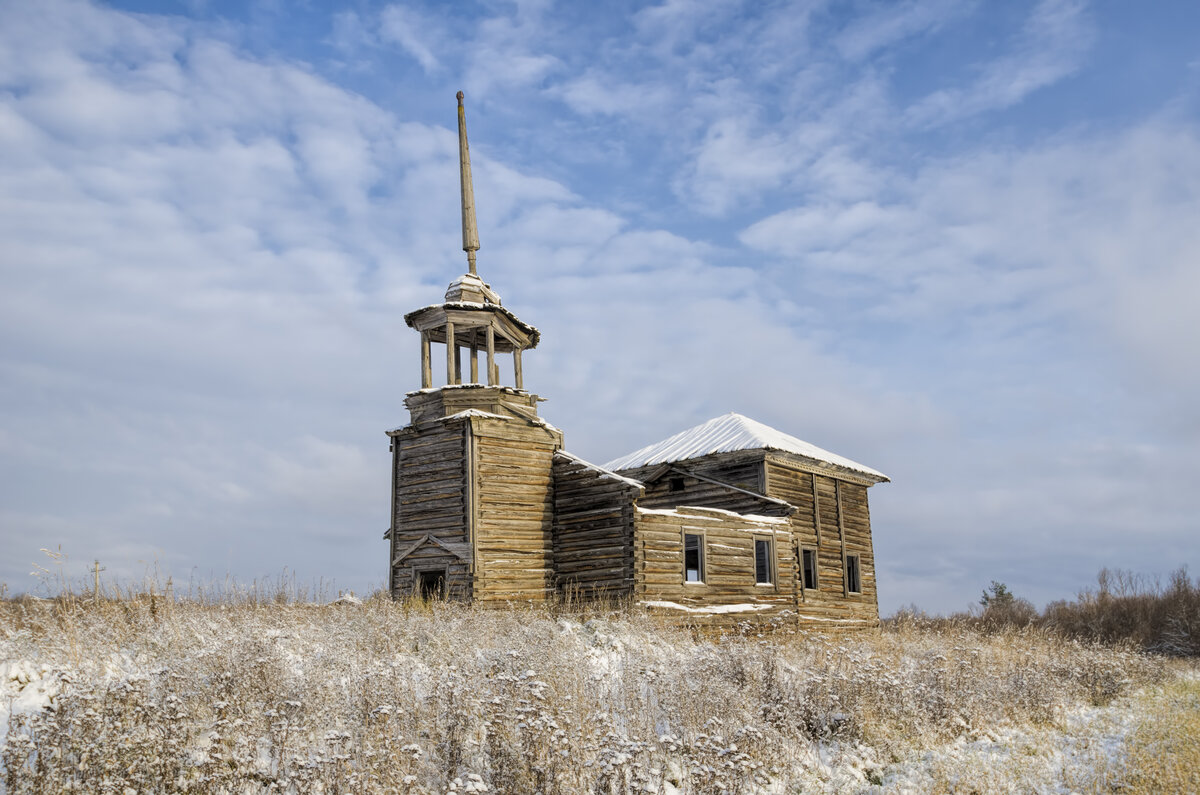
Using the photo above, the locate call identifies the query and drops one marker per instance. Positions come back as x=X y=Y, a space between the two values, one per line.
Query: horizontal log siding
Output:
x=829 y=606
x=593 y=531
x=743 y=470
x=515 y=503
x=729 y=566
x=430 y=499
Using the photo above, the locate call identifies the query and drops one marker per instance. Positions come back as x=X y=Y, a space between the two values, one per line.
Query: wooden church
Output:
x=727 y=521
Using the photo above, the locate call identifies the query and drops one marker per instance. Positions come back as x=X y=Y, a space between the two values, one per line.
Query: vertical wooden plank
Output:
x=491 y=355
x=837 y=491
x=457 y=364
x=517 y=367
x=474 y=363
x=472 y=500
x=426 y=365
x=816 y=510
x=391 y=574
x=450 y=350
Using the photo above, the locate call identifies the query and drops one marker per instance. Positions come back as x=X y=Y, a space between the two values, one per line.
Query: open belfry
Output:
x=721 y=523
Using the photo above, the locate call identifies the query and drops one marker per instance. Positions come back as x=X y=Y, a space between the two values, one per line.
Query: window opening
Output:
x=853 y=580
x=809 y=568
x=762 y=562
x=693 y=558
x=675 y=484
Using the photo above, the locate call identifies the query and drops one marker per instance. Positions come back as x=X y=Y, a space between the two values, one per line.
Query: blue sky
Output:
x=955 y=241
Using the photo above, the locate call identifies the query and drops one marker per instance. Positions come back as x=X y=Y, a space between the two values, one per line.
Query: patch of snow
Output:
x=696 y=512
x=25 y=687
x=835 y=620
x=604 y=473
x=740 y=608
x=726 y=434
x=475 y=413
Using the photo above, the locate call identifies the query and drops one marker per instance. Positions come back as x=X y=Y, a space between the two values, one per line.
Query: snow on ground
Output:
x=608 y=695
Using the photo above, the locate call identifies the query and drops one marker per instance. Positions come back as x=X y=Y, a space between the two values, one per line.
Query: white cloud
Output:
x=1052 y=46
x=894 y=22
x=414 y=32
x=208 y=254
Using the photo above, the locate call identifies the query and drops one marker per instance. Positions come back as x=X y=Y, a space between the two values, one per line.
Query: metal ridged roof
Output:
x=726 y=434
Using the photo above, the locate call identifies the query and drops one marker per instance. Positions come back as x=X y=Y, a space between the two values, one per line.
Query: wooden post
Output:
x=426 y=367
x=491 y=355
x=517 y=367
x=457 y=364
x=450 y=349
x=474 y=361
x=96 y=569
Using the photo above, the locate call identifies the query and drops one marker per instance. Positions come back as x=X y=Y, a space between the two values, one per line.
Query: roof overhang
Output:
x=511 y=332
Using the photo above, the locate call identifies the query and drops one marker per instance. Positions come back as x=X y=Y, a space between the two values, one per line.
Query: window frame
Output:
x=857 y=570
x=772 y=573
x=816 y=569
x=702 y=551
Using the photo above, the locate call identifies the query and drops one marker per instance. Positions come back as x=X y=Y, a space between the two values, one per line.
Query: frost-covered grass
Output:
x=156 y=695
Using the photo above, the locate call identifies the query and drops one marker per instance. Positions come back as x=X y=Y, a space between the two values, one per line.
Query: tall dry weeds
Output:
x=269 y=695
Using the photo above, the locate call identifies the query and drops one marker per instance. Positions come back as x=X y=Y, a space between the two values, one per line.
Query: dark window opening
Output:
x=432 y=584
x=675 y=484
x=693 y=558
x=853 y=581
x=762 y=561
x=809 y=568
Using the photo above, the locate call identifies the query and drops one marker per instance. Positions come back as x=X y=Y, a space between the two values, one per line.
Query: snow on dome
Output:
x=725 y=434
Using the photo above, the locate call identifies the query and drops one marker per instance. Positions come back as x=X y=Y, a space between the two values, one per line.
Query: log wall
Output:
x=835 y=522
x=729 y=593
x=513 y=501
x=429 y=500
x=593 y=529
x=705 y=482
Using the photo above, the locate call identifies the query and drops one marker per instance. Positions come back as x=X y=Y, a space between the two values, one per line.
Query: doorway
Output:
x=431 y=584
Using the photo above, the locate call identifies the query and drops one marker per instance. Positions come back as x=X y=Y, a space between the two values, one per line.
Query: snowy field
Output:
x=151 y=695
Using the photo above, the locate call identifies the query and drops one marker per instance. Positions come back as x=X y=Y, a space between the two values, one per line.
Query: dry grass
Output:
x=1163 y=753
x=268 y=695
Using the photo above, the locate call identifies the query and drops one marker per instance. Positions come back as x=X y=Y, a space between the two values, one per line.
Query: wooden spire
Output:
x=469 y=230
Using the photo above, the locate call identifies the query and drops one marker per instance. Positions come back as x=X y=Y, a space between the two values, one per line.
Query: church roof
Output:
x=728 y=433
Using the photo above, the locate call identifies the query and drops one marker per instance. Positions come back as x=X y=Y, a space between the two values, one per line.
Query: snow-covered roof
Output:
x=726 y=434
x=601 y=471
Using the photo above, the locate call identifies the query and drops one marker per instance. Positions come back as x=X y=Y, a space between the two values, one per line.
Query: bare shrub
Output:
x=1126 y=607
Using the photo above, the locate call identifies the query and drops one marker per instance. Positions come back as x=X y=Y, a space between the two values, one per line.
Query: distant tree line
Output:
x=1123 y=608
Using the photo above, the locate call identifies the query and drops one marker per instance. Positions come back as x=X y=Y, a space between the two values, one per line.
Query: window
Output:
x=853 y=580
x=675 y=484
x=693 y=558
x=763 y=574
x=808 y=569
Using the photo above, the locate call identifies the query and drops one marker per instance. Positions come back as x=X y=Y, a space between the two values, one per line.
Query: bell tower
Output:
x=472 y=504
x=473 y=318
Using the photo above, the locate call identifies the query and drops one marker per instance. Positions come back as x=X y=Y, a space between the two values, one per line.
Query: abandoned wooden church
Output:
x=725 y=521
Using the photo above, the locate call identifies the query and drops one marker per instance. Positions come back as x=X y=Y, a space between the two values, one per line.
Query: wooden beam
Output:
x=816 y=511
x=517 y=368
x=474 y=362
x=837 y=490
x=426 y=366
x=457 y=363
x=491 y=355
x=450 y=352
